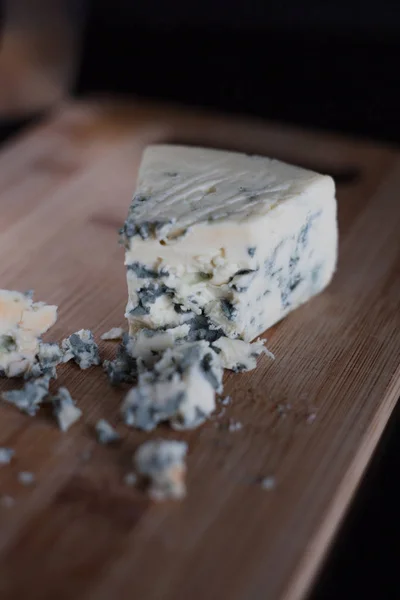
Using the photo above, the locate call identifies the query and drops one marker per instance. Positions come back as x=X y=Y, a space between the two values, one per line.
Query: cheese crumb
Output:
x=26 y=478
x=115 y=333
x=22 y=322
x=6 y=455
x=180 y=389
x=311 y=418
x=268 y=483
x=239 y=356
x=234 y=426
x=226 y=401
x=30 y=397
x=48 y=357
x=64 y=409
x=162 y=462
x=123 y=369
x=81 y=348
x=106 y=434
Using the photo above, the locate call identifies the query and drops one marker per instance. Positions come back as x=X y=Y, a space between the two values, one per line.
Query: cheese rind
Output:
x=233 y=240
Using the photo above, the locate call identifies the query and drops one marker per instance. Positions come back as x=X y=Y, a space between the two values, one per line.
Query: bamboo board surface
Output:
x=79 y=532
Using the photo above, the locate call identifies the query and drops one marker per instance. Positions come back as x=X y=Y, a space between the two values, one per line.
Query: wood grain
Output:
x=79 y=532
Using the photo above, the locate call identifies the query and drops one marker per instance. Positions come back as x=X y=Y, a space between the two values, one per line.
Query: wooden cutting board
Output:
x=311 y=419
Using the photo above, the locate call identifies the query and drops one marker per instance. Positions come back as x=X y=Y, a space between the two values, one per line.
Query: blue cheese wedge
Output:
x=22 y=322
x=162 y=463
x=180 y=388
x=225 y=242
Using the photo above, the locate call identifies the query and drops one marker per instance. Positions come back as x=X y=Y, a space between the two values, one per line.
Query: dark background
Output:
x=333 y=65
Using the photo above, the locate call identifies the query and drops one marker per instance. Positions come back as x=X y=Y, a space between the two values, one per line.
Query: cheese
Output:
x=123 y=369
x=64 y=409
x=22 y=322
x=115 y=333
x=48 y=357
x=145 y=347
x=81 y=348
x=26 y=478
x=224 y=242
x=238 y=355
x=106 y=434
x=30 y=397
x=148 y=345
x=162 y=463
x=180 y=388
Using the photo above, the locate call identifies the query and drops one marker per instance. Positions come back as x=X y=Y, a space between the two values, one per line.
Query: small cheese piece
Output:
x=149 y=345
x=123 y=369
x=48 y=357
x=26 y=478
x=238 y=355
x=162 y=462
x=81 y=348
x=180 y=389
x=30 y=397
x=145 y=347
x=22 y=322
x=65 y=409
x=236 y=241
x=106 y=434
x=268 y=483
x=6 y=455
x=115 y=333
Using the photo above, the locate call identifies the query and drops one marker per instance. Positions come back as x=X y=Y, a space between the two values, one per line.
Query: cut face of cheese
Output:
x=22 y=322
x=224 y=242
